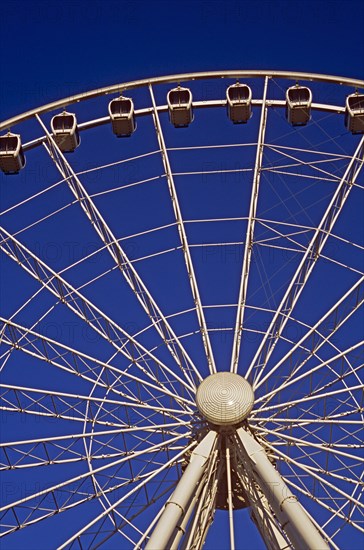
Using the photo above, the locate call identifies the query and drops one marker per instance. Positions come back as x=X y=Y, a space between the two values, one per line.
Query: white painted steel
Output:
x=248 y=248
x=176 y=506
x=225 y=399
x=180 y=78
x=312 y=253
x=230 y=499
x=337 y=109
x=154 y=408
x=288 y=510
x=183 y=238
x=119 y=256
x=122 y=499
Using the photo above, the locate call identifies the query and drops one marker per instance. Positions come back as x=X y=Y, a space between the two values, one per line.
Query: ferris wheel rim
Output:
x=265 y=436
x=182 y=77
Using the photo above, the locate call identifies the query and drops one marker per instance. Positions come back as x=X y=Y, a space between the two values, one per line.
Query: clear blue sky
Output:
x=52 y=49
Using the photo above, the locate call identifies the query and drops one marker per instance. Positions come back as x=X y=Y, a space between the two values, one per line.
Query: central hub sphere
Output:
x=225 y=398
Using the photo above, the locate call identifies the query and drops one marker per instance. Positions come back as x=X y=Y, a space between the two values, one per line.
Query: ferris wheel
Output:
x=181 y=315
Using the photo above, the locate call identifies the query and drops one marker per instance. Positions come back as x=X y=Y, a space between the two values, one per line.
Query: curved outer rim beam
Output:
x=196 y=105
x=117 y=88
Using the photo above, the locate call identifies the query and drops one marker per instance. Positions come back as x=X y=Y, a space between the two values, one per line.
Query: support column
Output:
x=289 y=512
x=260 y=511
x=230 y=499
x=177 y=505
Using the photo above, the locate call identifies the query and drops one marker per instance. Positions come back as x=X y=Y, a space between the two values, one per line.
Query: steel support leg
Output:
x=177 y=505
x=289 y=512
x=260 y=511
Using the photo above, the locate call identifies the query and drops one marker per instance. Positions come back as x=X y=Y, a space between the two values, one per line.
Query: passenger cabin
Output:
x=354 y=113
x=65 y=132
x=121 y=111
x=298 y=105
x=12 y=158
x=180 y=107
x=239 y=97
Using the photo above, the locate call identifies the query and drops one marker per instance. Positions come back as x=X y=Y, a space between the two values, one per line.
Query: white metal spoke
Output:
x=69 y=503
x=72 y=360
x=310 y=397
x=307 y=263
x=292 y=226
x=316 y=369
x=75 y=362
x=81 y=306
x=149 y=529
x=126 y=496
x=183 y=238
x=125 y=521
x=327 y=448
x=58 y=490
x=66 y=448
x=305 y=420
x=81 y=408
x=48 y=455
x=319 y=478
x=340 y=377
x=248 y=249
x=352 y=296
x=334 y=512
x=56 y=395
x=119 y=256
x=149 y=449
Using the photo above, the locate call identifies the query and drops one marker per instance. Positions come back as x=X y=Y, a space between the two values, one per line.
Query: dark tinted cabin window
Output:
x=299 y=95
x=179 y=97
x=356 y=103
x=121 y=107
x=8 y=144
x=239 y=93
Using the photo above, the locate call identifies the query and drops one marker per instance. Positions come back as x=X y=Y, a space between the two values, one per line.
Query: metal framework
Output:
x=134 y=270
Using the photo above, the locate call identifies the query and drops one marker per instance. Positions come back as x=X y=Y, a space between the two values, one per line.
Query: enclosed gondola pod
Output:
x=65 y=131
x=354 y=113
x=238 y=101
x=180 y=107
x=298 y=105
x=121 y=111
x=12 y=158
